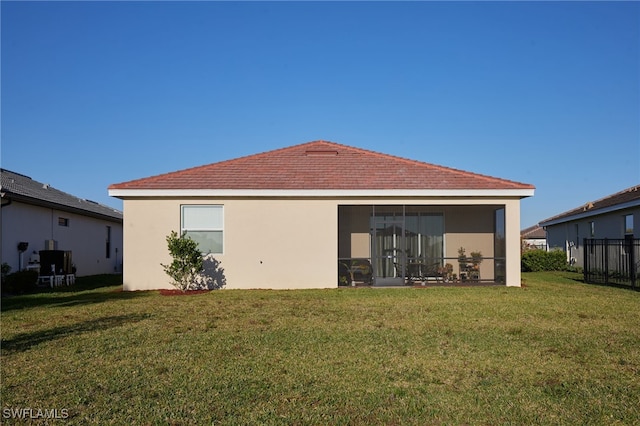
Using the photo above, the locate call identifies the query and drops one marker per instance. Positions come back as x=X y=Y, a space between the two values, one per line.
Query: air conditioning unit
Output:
x=55 y=262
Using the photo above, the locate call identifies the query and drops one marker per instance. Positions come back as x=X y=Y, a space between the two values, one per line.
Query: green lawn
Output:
x=553 y=352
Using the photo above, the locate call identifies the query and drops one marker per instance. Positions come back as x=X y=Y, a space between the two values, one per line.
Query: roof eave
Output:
x=590 y=213
x=336 y=193
x=62 y=207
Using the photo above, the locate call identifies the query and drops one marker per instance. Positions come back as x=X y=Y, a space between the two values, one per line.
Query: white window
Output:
x=204 y=225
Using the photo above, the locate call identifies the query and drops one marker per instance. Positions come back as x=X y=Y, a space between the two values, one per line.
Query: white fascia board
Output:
x=591 y=213
x=334 y=193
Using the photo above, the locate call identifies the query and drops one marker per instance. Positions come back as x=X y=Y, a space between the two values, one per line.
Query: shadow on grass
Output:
x=24 y=341
x=57 y=300
x=86 y=290
x=93 y=282
x=612 y=285
x=580 y=279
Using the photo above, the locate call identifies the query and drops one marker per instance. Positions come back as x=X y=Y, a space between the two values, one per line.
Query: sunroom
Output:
x=413 y=244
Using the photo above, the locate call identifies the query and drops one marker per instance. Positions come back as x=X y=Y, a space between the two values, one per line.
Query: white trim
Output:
x=336 y=193
x=199 y=229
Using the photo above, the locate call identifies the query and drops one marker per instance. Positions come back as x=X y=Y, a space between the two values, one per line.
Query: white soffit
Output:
x=337 y=193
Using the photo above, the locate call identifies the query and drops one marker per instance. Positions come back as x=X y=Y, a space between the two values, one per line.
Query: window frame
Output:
x=184 y=229
x=626 y=230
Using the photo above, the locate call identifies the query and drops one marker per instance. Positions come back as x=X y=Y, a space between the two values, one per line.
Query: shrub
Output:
x=187 y=261
x=20 y=282
x=541 y=260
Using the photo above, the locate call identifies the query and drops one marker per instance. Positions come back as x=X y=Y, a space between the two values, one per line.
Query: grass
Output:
x=553 y=352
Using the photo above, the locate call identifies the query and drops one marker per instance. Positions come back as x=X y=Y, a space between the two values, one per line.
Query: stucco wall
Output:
x=267 y=243
x=85 y=237
x=569 y=236
x=282 y=242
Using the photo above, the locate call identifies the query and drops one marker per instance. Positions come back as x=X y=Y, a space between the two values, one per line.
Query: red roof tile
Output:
x=321 y=165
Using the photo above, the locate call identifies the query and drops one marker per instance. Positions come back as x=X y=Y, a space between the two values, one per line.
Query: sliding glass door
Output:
x=405 y=244
x=388 y=254
x=424 y=233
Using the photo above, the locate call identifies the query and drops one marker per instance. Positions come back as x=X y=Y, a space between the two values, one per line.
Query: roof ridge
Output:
x=228 y=160
x=26 y=187
x=630 y=189
x=3 y=170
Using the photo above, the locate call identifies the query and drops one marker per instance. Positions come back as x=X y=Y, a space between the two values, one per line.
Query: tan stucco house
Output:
x=292 y=217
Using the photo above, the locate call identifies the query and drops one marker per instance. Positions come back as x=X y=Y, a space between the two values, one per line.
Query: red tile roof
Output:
x=321 y=165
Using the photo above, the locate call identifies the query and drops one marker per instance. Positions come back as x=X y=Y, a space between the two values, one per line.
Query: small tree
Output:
x=187 y=261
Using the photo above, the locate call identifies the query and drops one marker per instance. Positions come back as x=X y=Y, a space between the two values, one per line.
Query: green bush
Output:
x=20 y=282
x=540 y=260
x=187 y=261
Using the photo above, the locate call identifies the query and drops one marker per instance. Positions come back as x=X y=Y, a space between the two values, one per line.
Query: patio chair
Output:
x=361 y=270
x=351 y=271
x=432 y=270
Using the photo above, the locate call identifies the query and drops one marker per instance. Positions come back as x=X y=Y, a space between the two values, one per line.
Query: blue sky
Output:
x=546 y=93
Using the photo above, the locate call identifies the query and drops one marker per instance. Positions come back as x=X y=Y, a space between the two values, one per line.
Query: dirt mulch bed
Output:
x=176 y=292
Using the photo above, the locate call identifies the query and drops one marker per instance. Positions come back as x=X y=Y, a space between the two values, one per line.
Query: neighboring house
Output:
x=48 y=219
x=534 y=237
x=616 y=216
x=287 y=218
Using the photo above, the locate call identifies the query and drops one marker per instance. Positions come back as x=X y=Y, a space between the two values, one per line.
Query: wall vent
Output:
x=321 y=153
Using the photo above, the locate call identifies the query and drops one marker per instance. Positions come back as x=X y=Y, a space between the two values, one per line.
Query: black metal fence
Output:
x=612 y=261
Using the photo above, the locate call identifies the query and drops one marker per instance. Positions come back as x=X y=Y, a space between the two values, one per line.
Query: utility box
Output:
x=50 y=245
x=55 y=262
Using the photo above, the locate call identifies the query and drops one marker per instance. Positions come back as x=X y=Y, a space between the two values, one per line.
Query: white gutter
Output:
x=338 y=193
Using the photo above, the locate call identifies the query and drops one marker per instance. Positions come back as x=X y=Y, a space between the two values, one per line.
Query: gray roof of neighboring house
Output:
x=626 y=198
x=15 y=186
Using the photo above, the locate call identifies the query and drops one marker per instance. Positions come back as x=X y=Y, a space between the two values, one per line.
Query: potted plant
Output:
x=462 y=261
x=446 y=272
x=476 y=260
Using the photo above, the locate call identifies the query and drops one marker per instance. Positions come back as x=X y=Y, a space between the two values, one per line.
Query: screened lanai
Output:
x=420 y=244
